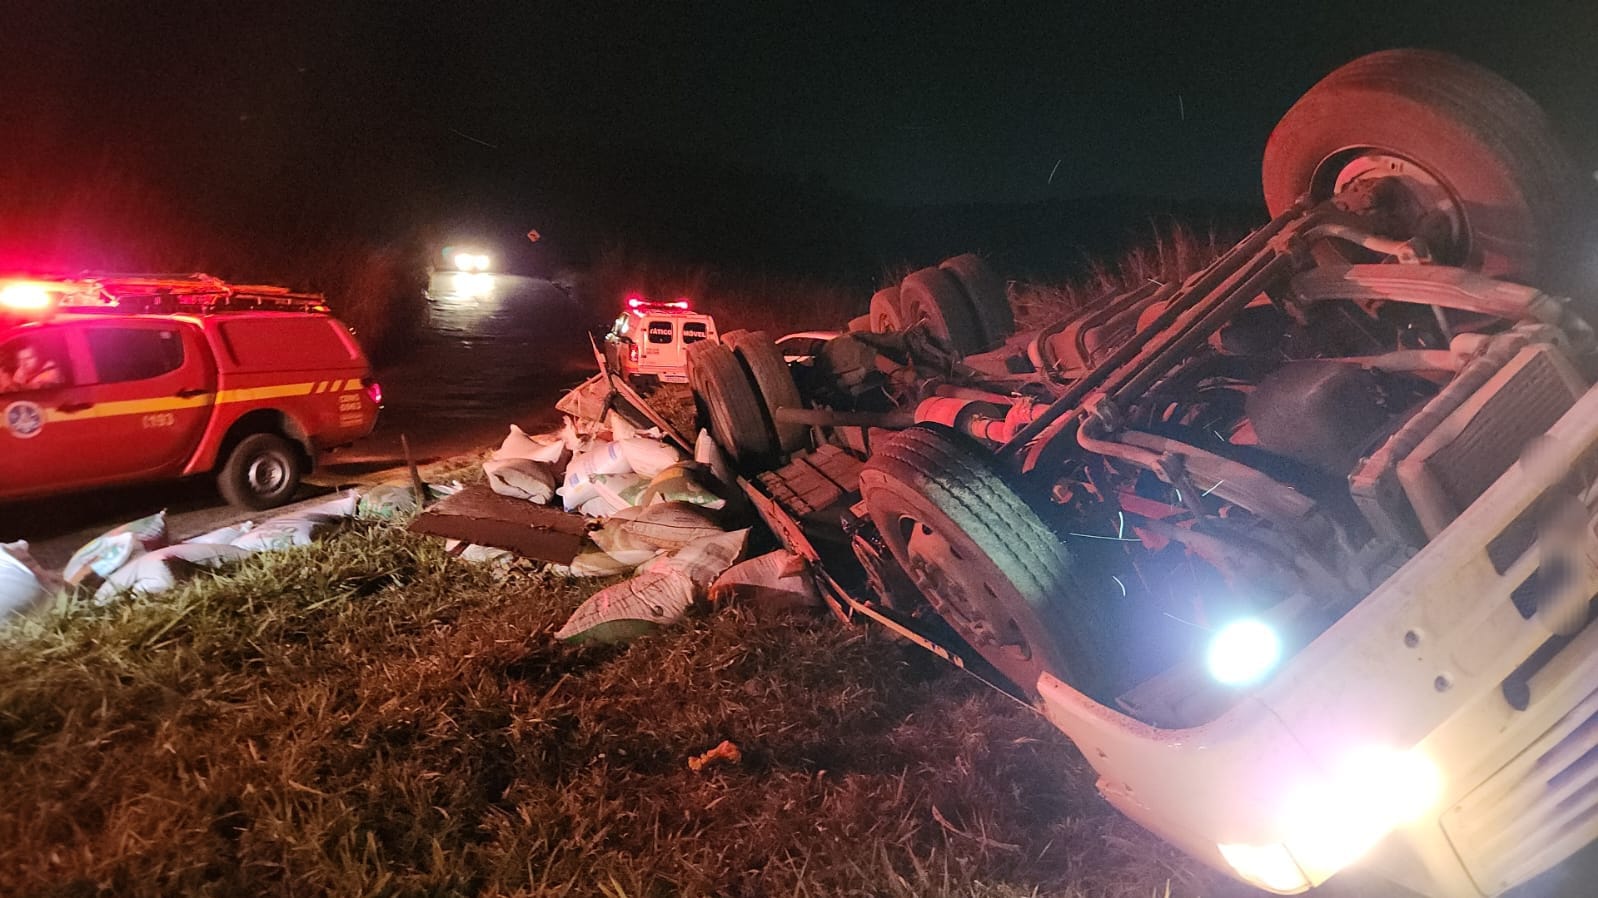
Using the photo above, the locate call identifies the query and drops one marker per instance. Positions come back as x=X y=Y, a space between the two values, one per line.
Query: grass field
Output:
x=368 y=716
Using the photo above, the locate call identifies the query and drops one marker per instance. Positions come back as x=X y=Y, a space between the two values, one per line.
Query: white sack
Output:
x=621 y=490
x=22 y=584
x=707 y=453
x=160 y=570
x=648 y=457
x=702 y=560
x=776 y=581
x=630 y=608
x=342 y=505
x=682 y=483
x=600 y=507
x=101 y=556
x=578 y=488
x=286 y=531
x=664 y=525
x=520 y=478
x=597 y=563
x=548 y=448
x=223 y=534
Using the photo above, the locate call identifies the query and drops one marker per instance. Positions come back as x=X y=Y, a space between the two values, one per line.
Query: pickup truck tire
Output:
x=774 y=384
x=934 y=296
x=886 y=316
x=983 y=559
x=262 y=471
x=988 y=297
x=726 y=399
x=1500 y=176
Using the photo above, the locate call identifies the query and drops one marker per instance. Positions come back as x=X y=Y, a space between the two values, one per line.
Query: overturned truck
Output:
x=1299 y=551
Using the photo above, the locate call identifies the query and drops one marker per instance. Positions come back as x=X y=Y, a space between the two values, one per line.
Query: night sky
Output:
x=417 y=108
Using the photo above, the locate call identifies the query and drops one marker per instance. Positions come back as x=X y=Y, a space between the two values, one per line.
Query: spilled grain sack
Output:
x=631 y=608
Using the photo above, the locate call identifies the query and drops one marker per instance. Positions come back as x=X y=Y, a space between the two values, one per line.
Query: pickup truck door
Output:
x=39 y=451
x=151 y=394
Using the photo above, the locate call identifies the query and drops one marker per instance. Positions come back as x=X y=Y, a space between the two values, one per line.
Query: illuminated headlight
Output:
x=471 y=262
x=1243 y=652
x=1332 y=823
x=1267 y=866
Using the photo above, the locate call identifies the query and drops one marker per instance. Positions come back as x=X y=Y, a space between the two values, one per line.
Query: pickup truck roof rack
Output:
x=196 y=293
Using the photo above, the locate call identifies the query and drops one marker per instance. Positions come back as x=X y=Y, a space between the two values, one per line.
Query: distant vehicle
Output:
x=801 y=348
x=107 y=380
x=1300 y=550
x=648 y=342
x=470 y=261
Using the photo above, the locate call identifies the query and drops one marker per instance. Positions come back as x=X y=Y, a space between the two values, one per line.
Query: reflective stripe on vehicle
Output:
x=225 y=397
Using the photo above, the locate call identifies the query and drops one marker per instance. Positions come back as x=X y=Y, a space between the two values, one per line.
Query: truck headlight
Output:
x=1331 y=823
x=1243 y=652
x=1266 y=866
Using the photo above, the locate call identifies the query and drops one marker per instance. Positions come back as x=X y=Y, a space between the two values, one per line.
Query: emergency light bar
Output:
x=25 y=296
x=194 y=293
x=638 y=302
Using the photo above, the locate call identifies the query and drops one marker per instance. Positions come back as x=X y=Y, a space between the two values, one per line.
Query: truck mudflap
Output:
x=1443 y=730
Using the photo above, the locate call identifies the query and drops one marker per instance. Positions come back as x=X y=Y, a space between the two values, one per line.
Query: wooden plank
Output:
x=479 y=516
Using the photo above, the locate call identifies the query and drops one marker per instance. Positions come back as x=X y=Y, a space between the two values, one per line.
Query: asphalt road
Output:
x=498 y=349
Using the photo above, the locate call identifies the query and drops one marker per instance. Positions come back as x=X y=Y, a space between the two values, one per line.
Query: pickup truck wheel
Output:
x=885 y=314
x=1448 y=150
x=934 y=296
x=263 y=471
x=979 y=555
x=773 y=383
x=987 y=295
x=726 y=397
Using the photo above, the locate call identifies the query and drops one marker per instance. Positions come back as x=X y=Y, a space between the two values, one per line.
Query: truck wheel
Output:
x=987 y=295
x=774 y=384
x=726 y=397
x=263 y=471
x=885 y=314
x=978 y=554
x=934 y=296
x=1451 y=151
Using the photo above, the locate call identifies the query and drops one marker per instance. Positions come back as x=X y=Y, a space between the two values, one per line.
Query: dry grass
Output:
x=1174 y=251
x=370 y=717
x=777 y=305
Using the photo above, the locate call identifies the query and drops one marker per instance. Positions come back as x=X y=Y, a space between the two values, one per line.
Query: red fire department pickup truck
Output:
x=115 y=379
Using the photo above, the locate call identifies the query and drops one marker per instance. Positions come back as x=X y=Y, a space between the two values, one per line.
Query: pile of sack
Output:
x=604 y=468
x=140 y=557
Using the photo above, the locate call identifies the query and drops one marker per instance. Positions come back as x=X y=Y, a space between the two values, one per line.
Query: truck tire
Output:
x=987 y=295
x=727 y=400
x=934 y=296
x=774 y=384
x=262 y=471
x=979 y=555
x=1476 y=158
x=886 y=316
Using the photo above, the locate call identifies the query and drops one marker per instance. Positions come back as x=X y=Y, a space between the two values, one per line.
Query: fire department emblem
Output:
x=24 y=419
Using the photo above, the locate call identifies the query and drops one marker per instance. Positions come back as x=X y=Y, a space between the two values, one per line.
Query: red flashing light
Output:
x=25 y=296
x=634 y=301
x=374 y=391
x=632 y=352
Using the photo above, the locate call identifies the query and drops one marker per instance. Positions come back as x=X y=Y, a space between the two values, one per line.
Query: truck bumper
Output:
x=1439 y=732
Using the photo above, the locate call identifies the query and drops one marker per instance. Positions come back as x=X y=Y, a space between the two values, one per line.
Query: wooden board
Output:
x=480 y=516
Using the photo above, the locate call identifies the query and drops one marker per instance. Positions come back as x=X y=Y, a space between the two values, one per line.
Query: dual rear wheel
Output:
x=961 y=301
x=738 y=386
